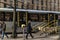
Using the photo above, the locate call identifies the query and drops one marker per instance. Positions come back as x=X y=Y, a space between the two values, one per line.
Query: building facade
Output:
x=50 y=5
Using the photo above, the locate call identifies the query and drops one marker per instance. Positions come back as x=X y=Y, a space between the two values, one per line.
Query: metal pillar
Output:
x=48 y=19
x=44 y=18
x=14 y=27
x=56 y=28
x=26 y=18
x=18 y=19
x=54 y=21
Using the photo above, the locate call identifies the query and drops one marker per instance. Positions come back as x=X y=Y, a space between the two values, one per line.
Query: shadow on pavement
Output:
x=59 y=36
x=21 y=36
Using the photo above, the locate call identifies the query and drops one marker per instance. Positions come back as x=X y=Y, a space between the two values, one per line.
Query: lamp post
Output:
x=14 y=35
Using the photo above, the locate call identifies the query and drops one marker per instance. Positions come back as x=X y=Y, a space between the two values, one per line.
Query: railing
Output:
x=50 y=27
x=41 y=23
x=42 y=26
x=47 y=25
x=38 y=25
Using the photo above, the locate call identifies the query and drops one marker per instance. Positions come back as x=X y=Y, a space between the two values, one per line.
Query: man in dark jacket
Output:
x=29 y=29
x=3 y=29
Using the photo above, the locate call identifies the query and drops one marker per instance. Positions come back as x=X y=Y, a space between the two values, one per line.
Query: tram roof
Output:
x=27 y=10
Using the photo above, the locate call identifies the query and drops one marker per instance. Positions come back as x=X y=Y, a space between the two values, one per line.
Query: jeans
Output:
x=3 y=33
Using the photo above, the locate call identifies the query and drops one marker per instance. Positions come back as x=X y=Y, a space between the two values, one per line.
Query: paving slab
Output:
x=52 y=37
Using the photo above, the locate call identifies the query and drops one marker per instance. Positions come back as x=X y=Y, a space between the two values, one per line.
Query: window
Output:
x=32 y=4
x=58 y=5
x=46 y=4
x=27 y=5
x=37 y=1
x=33 y=17
x=1 y=16
x=41 y=4
x=5 y=0
x=22 y=18
x=0 y=3
x=50 y=5
x=8 y=17
x=22 y=0
x=5 y=5
x=32 y=1
x=16 y=5
x=41 y=7
x=22 y=6
x=11 y=3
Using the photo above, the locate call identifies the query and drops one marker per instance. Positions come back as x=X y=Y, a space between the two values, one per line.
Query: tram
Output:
x=37 y=17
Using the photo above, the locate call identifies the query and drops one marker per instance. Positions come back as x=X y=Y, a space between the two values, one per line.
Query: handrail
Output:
x=37 y=24
x=43 y=24
x=49 y=23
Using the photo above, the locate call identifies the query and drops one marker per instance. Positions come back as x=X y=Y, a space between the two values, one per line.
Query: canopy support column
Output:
x=26 y=18
x=48 y=19
x=18 y=19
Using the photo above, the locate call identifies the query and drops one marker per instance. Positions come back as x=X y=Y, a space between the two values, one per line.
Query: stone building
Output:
x=50 y=5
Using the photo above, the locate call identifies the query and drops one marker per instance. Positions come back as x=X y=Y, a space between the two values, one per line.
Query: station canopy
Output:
x=26 y=10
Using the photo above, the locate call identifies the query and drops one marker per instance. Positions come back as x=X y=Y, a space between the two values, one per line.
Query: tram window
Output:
x=56 y=16
x=33 y=17
x=8 y=17
x=1 y=17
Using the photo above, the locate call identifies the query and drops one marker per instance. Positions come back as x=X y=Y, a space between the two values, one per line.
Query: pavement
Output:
x=36 y=37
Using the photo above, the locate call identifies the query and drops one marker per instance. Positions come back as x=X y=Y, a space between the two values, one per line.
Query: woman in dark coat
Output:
x=29 y=29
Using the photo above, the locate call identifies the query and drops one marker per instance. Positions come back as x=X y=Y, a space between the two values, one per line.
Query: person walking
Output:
x=0 y=27
x=3 y=30
x=29 y=30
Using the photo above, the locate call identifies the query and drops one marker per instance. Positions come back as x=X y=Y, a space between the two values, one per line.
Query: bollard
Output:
x=23 y=26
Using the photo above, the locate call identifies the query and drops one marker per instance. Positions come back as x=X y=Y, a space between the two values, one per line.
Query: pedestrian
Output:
x=3 y=30
x=0 y=27
x=29 y=29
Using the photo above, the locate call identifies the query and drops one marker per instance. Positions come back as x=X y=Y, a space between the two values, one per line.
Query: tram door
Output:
x=52 y=20
x=21 y=18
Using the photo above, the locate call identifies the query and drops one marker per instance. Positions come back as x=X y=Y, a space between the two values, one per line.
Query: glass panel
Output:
x=8 y=17
x=40 y=17
x=1 y=16
x=33 y=17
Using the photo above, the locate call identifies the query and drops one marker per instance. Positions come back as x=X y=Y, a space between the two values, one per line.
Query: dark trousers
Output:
x=30 y=35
